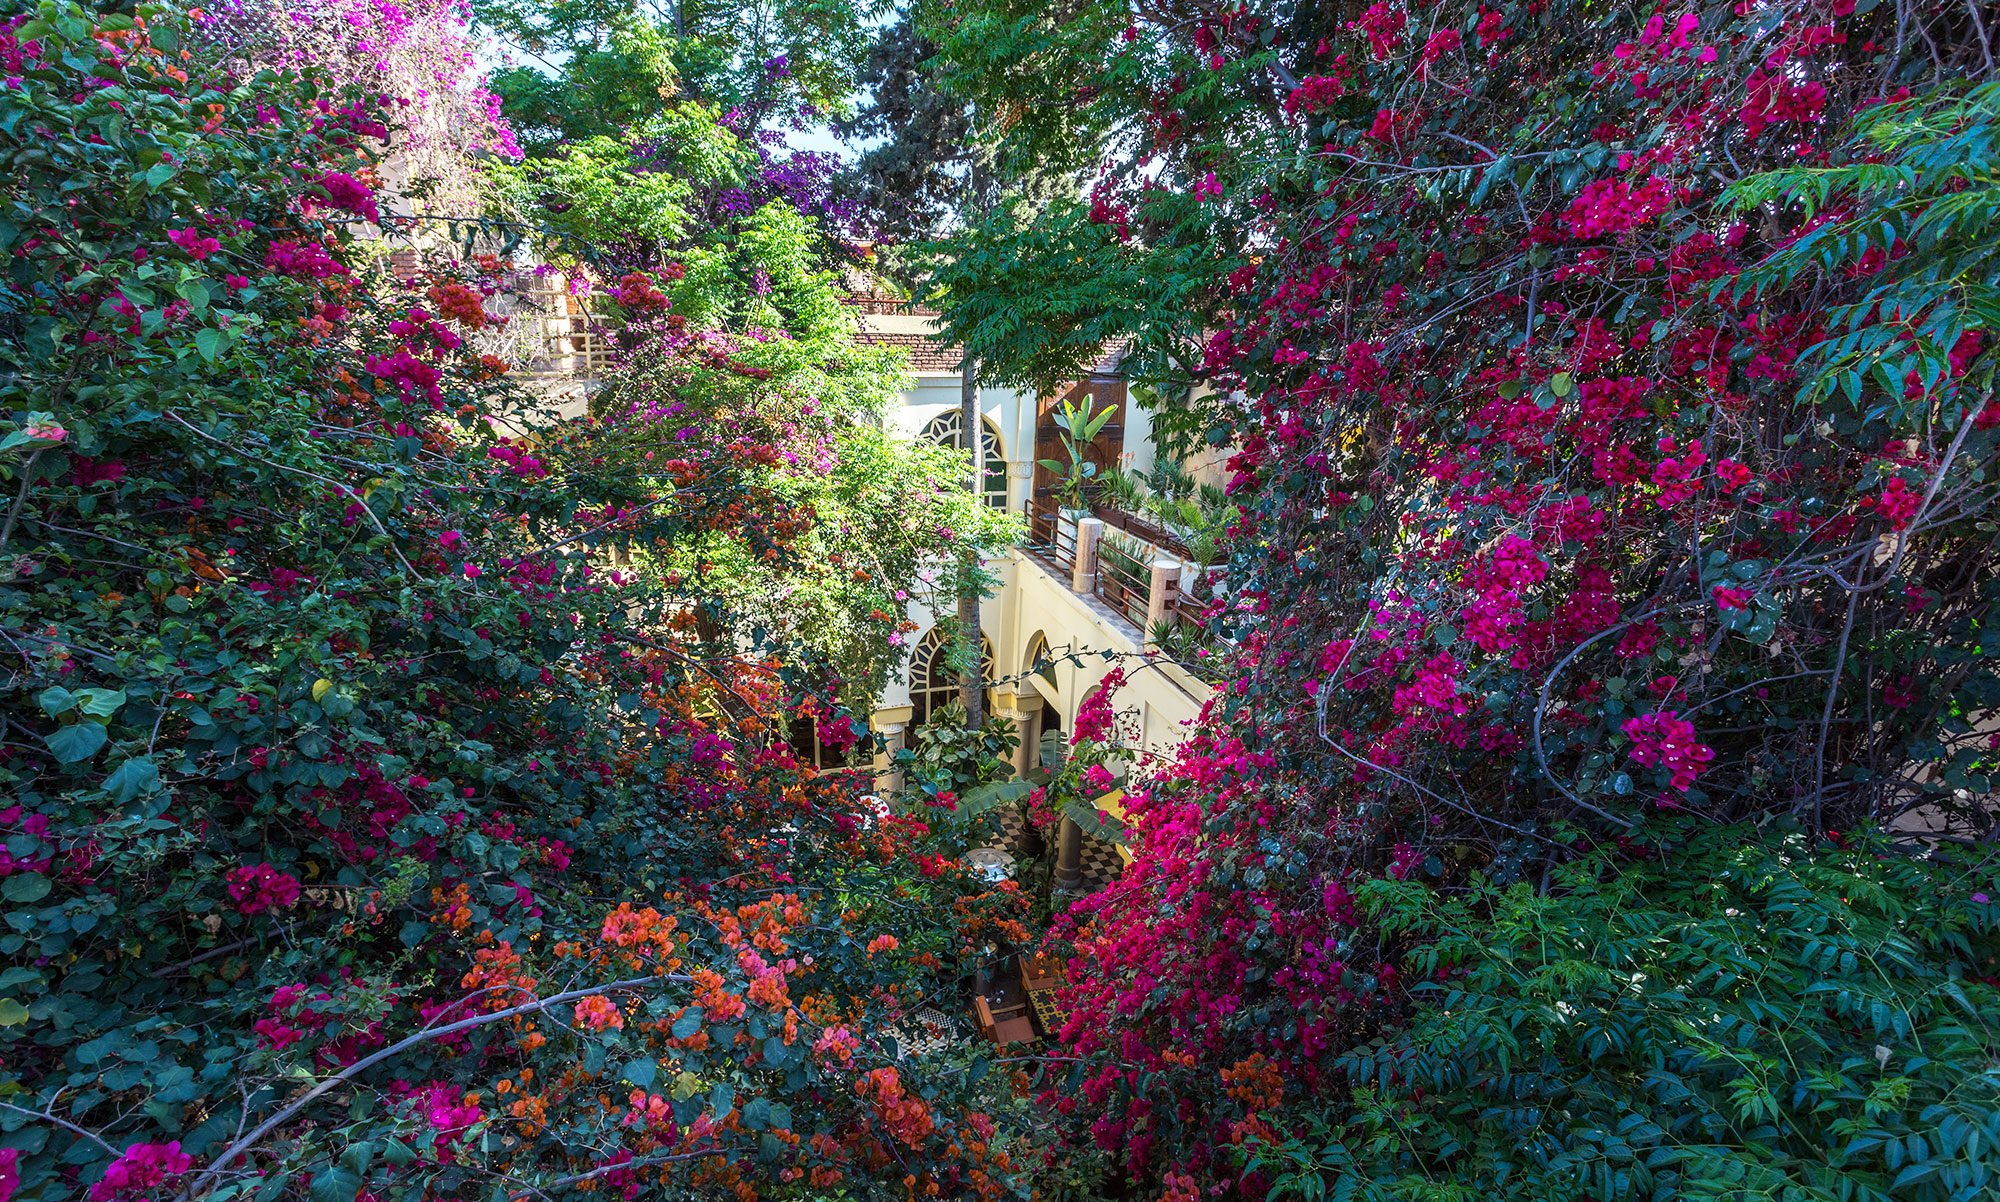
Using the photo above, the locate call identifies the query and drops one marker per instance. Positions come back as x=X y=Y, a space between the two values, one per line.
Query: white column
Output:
x=1007 y=704
x=889 y=777
x=1020 y=481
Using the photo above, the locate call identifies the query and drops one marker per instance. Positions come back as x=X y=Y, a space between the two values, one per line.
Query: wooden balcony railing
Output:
x=1051 y=537
x=1153 y=585
x=1125 y=582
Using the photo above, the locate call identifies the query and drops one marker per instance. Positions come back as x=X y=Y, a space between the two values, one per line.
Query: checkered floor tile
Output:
x=1100 y=860
x=928 y=1031
x=1101 y=864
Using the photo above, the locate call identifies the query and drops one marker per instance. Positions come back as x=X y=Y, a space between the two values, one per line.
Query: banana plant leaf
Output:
x=974 y=802
x=1097 y=823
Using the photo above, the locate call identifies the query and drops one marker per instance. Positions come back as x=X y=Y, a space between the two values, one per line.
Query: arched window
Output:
x=1040 y=662
x=947 y=429
x=933 y=684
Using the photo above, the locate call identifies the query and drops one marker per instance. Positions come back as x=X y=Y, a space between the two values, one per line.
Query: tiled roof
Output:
x=1109 y=359
x=882 y=302
x=926 y=353
x=885 y=321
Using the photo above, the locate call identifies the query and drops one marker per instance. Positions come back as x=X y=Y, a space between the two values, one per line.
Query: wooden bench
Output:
x=1009 y=1024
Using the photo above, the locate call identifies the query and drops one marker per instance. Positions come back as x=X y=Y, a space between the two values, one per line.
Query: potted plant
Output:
x=1077 y=427
x=1125 y=564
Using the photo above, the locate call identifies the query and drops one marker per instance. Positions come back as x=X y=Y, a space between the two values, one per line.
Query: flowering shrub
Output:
x=420 y=52
x=1611 y=439
x=368 y=834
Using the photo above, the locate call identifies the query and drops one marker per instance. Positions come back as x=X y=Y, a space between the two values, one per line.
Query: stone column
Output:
x=892 y=725
x=1166 y=579
x=1007 y=704
x=1083 y=577
x=1069 y=855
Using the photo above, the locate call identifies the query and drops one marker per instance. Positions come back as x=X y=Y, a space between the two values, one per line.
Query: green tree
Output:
x=603 y=66
x=366 y=828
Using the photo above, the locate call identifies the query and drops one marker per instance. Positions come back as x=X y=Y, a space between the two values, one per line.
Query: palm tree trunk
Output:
x=971 y=688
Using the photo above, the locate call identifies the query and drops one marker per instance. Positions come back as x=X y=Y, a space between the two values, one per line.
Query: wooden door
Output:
x=1104 y=450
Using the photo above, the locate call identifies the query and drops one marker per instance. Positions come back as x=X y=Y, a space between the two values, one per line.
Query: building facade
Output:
x=1061 y=605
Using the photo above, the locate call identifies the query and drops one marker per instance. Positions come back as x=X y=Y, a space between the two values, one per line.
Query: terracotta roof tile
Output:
x=926 y=353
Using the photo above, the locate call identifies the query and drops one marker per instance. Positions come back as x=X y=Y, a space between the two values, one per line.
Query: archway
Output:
x=933 y=684
x=948 y=429
x=1041 y=716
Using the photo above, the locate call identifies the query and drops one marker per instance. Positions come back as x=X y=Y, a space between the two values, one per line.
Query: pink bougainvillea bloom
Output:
x=194 y=243
x=1898 y=502
x=140 y=1170
x=1666 y=739
x=260 y=887
x=276 y=1035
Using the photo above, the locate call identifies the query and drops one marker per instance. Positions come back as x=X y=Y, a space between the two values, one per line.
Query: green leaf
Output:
x=1560 y=383
x=134 y=777
x=757 y=1114
x=25 y=887
x=687 y=1024
x=335 y=1183
x=79 y=742
x=159 y=174
x=357 y=1158
x=57 y=701
x=985 y=797
x=208 y=340
x=101 y=703
x=12 y=1013
x=721 y=1098
x=641 y=1072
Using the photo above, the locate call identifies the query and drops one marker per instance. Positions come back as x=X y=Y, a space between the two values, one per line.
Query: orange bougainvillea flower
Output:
x=600 y=1013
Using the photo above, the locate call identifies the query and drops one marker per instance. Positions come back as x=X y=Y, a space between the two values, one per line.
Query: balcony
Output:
x=1147 y=579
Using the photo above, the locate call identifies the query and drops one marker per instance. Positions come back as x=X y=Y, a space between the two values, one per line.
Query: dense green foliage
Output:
x=368 y=827
x=763 y=282
x=602 y=67
x=1726 y=1014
